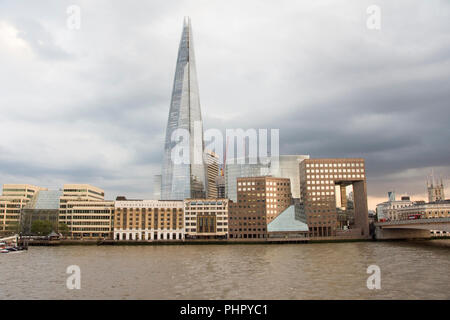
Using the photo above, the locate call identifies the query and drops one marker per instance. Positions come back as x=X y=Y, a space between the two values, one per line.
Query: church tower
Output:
x=435 y=189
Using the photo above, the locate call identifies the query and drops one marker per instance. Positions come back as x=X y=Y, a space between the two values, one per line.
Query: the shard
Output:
x=187 y=179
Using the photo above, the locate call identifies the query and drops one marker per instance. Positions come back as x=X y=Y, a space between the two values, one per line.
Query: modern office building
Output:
x=87 y=214
x=259 y=201
x=220 y=185
x=239 y=168
x=183 y=178
x=323 y=178
x=14 y=197
x=43 y=206
x=82 y=192
x=148 y=220
x=206 y=218
x=289 y=167
x=212 y=173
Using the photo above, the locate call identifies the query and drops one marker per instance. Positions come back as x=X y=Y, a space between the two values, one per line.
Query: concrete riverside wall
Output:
x=387 y=234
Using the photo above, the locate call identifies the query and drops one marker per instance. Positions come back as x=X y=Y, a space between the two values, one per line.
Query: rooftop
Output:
x=286 y=221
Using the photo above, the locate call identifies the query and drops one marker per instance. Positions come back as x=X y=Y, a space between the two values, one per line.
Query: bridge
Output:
x=409 y=229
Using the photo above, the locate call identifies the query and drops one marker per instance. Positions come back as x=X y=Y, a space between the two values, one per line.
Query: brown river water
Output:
x=409 y=270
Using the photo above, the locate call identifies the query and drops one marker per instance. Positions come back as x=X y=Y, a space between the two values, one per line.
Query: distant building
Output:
x=435 y=190
x=372 y=215
x=242 y=167
x=220 y=184
x=86 y=213
x=350 y=196
x=157 y=187
x=391 y=196
x=206 y=218
x=289 y=167
x=430 y=210
x=43 y=206
x=211 y=160
x=389 y=210
x=148 y=220
x=285 y=166
x=14 y=197
x=259 y=201
x=321 y=178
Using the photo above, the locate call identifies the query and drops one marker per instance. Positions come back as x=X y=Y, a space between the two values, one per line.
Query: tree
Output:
x=41 y=227
x=12 y=227
x=63 y=229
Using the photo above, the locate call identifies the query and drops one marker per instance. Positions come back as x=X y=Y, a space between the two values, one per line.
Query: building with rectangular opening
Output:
x=322 y=179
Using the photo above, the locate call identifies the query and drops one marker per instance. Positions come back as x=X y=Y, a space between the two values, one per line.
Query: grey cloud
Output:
x=40 y=40
x=332 y=87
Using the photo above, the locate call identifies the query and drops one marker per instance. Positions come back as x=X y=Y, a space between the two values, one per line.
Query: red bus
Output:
x=414 y=216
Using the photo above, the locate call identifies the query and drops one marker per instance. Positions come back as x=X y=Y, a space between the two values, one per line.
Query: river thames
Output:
x=409 y=270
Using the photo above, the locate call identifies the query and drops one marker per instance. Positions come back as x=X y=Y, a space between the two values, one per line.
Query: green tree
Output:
x=12 y=227
x=63 y=229
x=41 y=227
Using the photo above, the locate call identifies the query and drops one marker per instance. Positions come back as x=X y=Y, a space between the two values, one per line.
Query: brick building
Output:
x=259 y=201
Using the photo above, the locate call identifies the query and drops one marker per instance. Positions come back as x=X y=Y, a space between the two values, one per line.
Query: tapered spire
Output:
x=184 y=180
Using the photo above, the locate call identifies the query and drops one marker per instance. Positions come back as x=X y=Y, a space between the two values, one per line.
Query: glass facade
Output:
x=157 y=187
x=43 y=206
x=186 y=180
x=289 y=167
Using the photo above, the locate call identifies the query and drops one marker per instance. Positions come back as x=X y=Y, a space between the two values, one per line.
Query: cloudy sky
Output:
x=91 y=105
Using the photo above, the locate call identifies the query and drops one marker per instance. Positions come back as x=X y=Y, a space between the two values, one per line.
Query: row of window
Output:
x=336 y=176
x=108 y=217
x=195 y=230
x=80 y=229
x=334 y=170
x=268 y=183
x=82 y=223
x=335 y=165
x=248 y=229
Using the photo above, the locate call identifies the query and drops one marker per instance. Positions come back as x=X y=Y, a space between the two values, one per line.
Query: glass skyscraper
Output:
x=184 y=180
